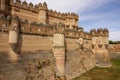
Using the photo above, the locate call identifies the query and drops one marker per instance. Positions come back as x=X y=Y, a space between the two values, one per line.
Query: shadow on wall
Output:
x=20 y=40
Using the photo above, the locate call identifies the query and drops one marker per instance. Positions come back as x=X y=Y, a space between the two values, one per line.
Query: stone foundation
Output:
x=35 y=65
x=41 y=65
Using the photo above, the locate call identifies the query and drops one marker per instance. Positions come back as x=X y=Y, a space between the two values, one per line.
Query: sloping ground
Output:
x=112 y=73
x=35 y=65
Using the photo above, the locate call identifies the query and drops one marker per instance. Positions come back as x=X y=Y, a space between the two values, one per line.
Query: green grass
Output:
x=112 y=73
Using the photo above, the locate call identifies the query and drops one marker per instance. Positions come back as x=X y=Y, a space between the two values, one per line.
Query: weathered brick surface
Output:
x=37 y=65
x=78 y=62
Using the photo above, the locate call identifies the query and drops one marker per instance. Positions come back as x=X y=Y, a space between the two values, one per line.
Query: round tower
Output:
x=42 y=18
x=13 y=38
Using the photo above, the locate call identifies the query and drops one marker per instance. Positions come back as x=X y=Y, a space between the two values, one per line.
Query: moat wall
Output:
x=40 y=65
x=47 y=45
x=114 y=51
x=78 y=62
x=34 y=65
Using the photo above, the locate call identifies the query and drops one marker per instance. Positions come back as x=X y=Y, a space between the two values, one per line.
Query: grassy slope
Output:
x=112 y=73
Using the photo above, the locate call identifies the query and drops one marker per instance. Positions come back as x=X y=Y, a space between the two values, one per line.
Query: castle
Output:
x=28 y=27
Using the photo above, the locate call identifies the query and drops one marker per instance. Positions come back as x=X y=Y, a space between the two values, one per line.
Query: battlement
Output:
x=40 y=13
x=34 y=28
x=56 y=14
x=71 y=16
x=87 y=35
x=38 y=20
x=100 y=32
x=42 y=6
x=63 y=15
x=24 y=5
x=28 y=27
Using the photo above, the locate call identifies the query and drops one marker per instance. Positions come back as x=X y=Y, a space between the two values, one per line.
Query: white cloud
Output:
x=71 y=5
x=115 y=35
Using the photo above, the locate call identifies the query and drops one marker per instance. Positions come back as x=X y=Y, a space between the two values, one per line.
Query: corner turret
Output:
x=99 y=47
x=42 y=18
x=71 y=21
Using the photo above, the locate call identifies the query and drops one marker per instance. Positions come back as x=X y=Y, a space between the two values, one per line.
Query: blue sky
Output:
x=92 y=13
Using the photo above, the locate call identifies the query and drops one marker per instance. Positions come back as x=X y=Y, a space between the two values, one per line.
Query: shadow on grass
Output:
x=112 y=73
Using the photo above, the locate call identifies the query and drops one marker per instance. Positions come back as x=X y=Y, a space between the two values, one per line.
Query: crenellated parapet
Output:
x=87 y=35
x=40 y=13
x=106 y=32
x=56 y=14
x=100 y=38
x=34 y=28
x=100 y=32
x=99 y=46
x=71 y=20
x=24 y=5
x=62 y=15
x=87 y=40
x=42 y=21
x=42 y=16
x=71 y=16
x=28 y=6
x=42 y=6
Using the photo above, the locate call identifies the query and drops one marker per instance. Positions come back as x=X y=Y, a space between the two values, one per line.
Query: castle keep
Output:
x=28 y=27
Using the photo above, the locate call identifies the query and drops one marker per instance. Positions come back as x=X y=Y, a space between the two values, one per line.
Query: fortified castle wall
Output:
x=114 y=51
x=114 y=47
x=25 y=27
x=37 y=34
x=40 y=13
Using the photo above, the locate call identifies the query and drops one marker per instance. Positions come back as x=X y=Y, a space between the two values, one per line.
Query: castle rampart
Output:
x=25 y=27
